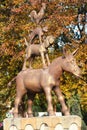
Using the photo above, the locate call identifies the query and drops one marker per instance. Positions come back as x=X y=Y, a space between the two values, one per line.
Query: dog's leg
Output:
x=43 y=60
x=40 y=38
x=47 y=58
x=30 y=62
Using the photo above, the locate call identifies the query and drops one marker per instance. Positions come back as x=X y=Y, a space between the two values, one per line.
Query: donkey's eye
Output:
x=72 y=61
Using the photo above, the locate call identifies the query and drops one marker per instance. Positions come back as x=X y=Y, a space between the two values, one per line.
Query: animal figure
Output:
x=37 y=17
x=33 y=50
x=32 y=81
x=38 y=31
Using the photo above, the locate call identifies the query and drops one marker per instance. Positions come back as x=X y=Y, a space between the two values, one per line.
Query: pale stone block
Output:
x=43 y=123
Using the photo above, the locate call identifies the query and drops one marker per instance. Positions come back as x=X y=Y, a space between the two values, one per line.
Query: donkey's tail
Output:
x=9 y=84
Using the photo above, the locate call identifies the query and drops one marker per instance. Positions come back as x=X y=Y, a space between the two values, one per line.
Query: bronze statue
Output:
x=37 y=17
x=33 y=50
x=32 y=81
x=38 y=31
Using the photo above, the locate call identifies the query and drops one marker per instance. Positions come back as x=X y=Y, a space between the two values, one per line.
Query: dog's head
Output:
x=49 y=40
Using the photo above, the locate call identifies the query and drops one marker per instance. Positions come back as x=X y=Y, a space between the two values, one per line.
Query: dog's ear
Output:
x=64 y=52
x=45 y=29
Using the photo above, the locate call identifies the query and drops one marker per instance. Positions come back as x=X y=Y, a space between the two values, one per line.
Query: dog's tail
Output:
x=9 y=84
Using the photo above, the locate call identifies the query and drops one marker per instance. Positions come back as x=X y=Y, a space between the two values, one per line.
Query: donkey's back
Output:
x=34 y=79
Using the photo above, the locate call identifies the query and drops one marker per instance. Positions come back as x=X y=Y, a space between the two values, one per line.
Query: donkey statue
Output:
x=33 y=50
x=32 y=81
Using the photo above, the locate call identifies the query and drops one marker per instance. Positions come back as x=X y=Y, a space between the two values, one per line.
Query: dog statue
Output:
x=33 y=50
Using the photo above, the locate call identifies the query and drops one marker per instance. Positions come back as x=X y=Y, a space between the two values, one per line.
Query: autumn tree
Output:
x=15 y=24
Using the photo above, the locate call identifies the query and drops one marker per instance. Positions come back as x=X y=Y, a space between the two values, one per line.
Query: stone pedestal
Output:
x=43 y=123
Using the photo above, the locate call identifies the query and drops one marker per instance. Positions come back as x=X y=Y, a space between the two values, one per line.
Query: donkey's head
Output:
x=69 y=64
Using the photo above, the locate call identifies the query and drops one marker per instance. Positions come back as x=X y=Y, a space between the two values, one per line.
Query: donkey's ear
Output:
x=74 y=53
x=64 y=52
x=26 y=43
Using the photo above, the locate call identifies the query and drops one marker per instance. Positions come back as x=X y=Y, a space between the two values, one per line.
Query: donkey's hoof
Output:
x=52 y=114
x=44 y=67
x=24 y=69
x=67 y=113
x=15 y=115
x=30 y=114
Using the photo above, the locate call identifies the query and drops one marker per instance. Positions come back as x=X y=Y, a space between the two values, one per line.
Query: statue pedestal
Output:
x=43 y=123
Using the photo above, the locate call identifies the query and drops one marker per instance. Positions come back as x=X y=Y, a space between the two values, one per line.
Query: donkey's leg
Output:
x=20 y=91
x=30 y=103
x=17 y=102
x=40 y=39
x=49 y=101
x=59 y=94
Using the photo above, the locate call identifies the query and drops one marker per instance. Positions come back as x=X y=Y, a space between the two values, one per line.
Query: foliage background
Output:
x=15 y=24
